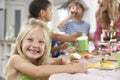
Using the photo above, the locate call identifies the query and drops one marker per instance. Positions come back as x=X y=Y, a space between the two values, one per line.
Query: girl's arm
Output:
x=32 y=70
x=55 y=61
x=59 y=47
x=63 y=37
x=60 y=61
x=97 y=34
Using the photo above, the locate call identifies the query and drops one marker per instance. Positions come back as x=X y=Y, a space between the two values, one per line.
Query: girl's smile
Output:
x=34 y=44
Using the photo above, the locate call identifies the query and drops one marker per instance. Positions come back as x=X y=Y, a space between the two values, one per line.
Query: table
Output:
x=92 y=74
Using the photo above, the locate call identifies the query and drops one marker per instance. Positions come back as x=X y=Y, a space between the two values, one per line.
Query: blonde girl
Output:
x=109 y=10
x=30 y=58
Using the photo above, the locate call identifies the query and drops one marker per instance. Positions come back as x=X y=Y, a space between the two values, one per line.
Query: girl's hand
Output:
x=63 y=46
x=80 y=67
x=66 y=60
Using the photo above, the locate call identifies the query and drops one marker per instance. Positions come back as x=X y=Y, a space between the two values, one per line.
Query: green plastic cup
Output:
x=118 y=53
x=82 y=43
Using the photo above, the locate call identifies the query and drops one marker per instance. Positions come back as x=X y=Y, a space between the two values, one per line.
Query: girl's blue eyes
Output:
x=29 y=39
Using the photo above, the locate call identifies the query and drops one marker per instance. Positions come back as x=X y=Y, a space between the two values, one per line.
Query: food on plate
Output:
x=75 y=56
x=102 y=65
x=71 y=49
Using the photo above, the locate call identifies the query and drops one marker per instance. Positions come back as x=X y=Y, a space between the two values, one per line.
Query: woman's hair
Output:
x=77 y=3
x=111 y=13
x=31 y=24
x=37 y=5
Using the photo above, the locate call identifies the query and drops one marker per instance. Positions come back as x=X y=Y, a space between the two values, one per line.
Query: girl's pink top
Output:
x=98 y=32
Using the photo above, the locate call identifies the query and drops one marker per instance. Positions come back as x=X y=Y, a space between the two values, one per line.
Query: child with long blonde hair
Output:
x=30 y=58
x=109 y=10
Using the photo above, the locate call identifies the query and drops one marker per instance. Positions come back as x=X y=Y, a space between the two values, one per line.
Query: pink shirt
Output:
x=98 y=32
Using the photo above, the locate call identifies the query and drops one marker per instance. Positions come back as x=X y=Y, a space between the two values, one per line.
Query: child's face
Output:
x=103 y=4
x=48 y=12
x=33 y=44
x=78 y=10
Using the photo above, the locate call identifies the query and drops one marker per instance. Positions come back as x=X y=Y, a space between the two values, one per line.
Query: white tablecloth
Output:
x=93 y=74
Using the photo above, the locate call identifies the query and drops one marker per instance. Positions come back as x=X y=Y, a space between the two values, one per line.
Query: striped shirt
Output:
x=73 y=26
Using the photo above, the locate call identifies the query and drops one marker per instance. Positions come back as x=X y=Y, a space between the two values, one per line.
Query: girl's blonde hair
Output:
x=112 y=13
x=29 y=26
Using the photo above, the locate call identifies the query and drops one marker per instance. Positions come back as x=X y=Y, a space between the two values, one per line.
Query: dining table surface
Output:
x=92 y=72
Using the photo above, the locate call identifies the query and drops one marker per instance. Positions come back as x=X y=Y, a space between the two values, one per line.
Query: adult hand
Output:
x=95 y=51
